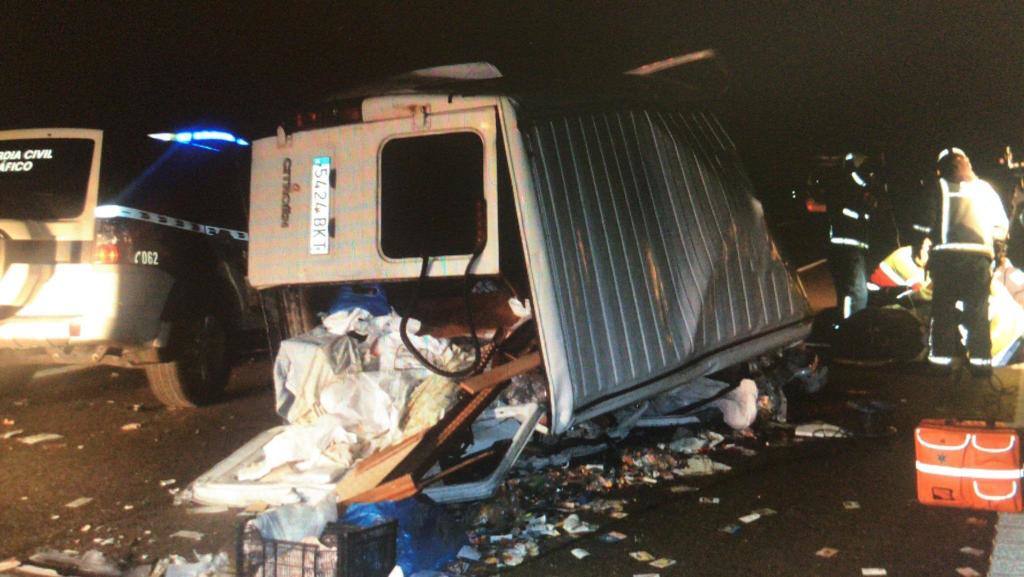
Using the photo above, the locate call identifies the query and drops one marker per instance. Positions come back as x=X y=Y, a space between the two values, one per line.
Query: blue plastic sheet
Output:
x=370 y=297
x=428 y=538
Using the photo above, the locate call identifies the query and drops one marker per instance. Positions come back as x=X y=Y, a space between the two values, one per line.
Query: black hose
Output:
x=467 y=288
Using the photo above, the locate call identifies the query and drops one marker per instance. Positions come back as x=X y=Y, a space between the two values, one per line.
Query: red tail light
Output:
x=107 y=253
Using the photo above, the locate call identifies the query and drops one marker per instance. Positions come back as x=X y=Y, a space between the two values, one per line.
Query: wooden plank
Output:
x=401 y=488
x=457 y=467
x=415 y=455
x=496 y=375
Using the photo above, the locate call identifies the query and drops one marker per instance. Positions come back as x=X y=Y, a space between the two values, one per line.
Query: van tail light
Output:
x=107 y=253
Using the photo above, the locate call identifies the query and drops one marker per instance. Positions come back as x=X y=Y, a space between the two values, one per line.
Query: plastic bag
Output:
x=427 y=537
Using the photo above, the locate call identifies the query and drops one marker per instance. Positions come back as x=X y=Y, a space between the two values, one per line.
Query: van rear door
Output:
x=49 y=181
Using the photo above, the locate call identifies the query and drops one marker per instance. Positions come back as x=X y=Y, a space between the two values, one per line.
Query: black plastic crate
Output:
x=350 y=552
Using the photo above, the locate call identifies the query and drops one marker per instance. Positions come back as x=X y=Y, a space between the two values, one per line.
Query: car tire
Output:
x=198 y=371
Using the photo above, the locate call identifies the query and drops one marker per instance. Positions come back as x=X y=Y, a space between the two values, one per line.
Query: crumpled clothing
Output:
x=324 y=443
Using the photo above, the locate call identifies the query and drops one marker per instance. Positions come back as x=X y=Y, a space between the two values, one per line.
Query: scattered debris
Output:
x=168 y=482
x=8 y=422
x=85 y=528
x=580 y=553
x=967 y=572
x=646 y=574
x=129 y=507
x=851 y=505
x=709 y=500
x=131 y=427
x=573 y=526
x=976 y=522
x=612 y=537
x=642 y=556
x=731 y=528
x=12 y=433
x=820 y=430
x=193 y=535
x=684 y=489
x=468 y=553
x=38 y=571
x=748 y=519
x=826 y=552
x=79 y=502
x=204 y=566
x=9 y=564
x=54 y=517
x=702 y=465
x=662 y=563
x=39 y=438
x=873 y=571
x=92 y=563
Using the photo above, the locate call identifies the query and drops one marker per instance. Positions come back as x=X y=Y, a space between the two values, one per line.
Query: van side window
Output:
x=430 y=187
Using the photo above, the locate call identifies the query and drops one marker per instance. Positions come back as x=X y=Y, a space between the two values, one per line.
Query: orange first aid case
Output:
x=968 y=464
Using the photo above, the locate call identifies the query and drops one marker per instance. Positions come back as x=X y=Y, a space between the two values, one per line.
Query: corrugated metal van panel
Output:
x=658 y=251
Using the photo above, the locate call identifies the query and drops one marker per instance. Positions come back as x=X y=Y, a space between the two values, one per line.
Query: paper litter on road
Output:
x=766 y=512
x=873 y=571
x=662 y=563
x=12 y=433
x=826 y=552
x=976 y=522
x=701 y=465
x=9 y=564
x=194 y=535
x=131 y=427
x=39 y=571
x=646 y=574
x=731 y=528
x=79 y=502
x=642 y=556
x=580 y=553
x=709 y=500
x=684 y=489
x=86 y=528
x=574 y=526
x=612 y=537
x=39 y=438
x=748 y=519
x=8 y=422
x=850 y=505
x=967 y=572
x=168 y=482
x=973 y=552
x=618 y=514
x=468 y=553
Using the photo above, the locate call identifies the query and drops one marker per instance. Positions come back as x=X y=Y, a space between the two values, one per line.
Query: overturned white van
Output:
x=625 y=218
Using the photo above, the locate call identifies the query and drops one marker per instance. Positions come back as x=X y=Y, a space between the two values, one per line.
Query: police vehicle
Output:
x=127 y=251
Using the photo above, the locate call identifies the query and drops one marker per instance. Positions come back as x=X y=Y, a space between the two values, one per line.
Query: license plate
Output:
x=320 y=206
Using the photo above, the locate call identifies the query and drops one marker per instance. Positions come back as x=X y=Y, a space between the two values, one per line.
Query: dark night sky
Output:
x=905 y=77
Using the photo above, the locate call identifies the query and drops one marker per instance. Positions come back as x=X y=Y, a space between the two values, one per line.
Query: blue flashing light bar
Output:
x=190 y=137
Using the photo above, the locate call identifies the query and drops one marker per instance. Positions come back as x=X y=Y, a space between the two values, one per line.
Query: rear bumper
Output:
x=85 y=309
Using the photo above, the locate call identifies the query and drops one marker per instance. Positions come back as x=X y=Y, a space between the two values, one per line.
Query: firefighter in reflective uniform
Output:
x=848 y=205
x=968 y=223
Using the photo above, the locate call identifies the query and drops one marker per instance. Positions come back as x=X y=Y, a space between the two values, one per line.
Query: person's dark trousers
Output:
x=960 y=277
x=849 y=274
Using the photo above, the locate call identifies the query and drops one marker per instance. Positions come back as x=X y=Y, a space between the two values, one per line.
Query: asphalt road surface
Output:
x=131 y=516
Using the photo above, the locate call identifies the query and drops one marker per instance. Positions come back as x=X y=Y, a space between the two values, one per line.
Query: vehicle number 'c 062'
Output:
x=150 y=257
